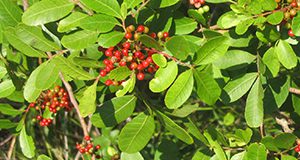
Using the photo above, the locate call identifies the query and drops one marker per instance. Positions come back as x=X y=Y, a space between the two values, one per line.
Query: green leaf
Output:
x=286 y=54
x=279 y=88
x=164 y=77
x=17 y=43
x=208 y=89
x=114 y=111
x=99 y=22
x=71 y=22
x=137 y=133
x=10 y=13
x=199 y=155
x=243 y=26
x=26 y=143
x=185 y=110
x=234 y=59
x=47 y=11
x=166 y=3
x=256 y=152
x=87 y=103
x=128 y=86
x=68 y=68
x=150 y=42
x=197 y=16
x=7 y=124
x=180 y=91
x=43 y=157
x=166 y=150
x=133 y=156
x=132 y=3
x=6 y=88
x=237 y=87
x=159 y=60
x=7 y=109
x=175 y=129
x=275 y=18
x=179 y=47
x=31 y=93
x=254 y=111
x=195 y=131
x=285 y=140
x=287 y=157
x=80 y=39
x=120 y=73
x=269 y=142
x=296 y=25
x=109 y=7
x=3 y=72
x=87 y=62
x=296 y=99
x=239 y=156
x=47 y=76
x=212 y=50
x=231 y=19
x=124 y=10
x=271 y=61
x=110 y=39
x=184 y=25
x=34 y=37
x=215 y=145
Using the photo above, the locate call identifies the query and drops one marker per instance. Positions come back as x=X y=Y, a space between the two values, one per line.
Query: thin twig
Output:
x=6 y=140
x=78 y=3
x=141 y=7
x=25 y=5
x=295 y=91
x=11 y=148
x=262 y=130
x=284 y=125
x=66 y=140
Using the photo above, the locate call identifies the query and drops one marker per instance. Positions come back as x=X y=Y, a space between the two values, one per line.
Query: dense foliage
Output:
x=149 y=79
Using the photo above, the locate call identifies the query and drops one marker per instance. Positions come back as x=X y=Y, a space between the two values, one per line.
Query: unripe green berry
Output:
x=160 y=35
x=201 y=10
x=206 y=8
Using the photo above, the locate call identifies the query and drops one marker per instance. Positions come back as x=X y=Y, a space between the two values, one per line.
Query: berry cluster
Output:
x=290 y=10
x=203 y=9
x=87 y=147
x=131 y=54
x=197 y=3
x=53 y=100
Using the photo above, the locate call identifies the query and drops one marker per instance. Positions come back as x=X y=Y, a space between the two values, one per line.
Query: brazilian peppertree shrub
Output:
x=149 y=79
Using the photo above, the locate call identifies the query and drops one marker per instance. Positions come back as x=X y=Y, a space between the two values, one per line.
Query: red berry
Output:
x=140 y=67
x=87 y=138
x=153 y=35
x=31 y=105
x=133 y=66
x=150 y=69
x=122 y=63
x=290 y=33
x=149 y=59
x=89 y=146
x=202 y=1
x=82 y=150
x=128 y=35
x=125 y=52
x=98 y=147
x=138 y=54
x=117 y=53
x=102 y=73
x=140 y=28
x=145 y=64
x=297 y=149
x=294 y=4
x=126 y=45
x=140 y=76
x=108 y=82
x=38 y=117
x=78 y=146
x=108 y=53
x=106 y=61
x=165 y=34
